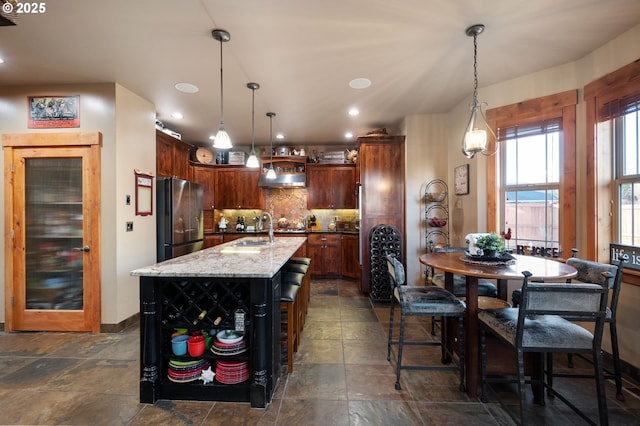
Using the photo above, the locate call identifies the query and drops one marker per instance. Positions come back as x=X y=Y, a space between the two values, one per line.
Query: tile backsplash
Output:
x=291 y=204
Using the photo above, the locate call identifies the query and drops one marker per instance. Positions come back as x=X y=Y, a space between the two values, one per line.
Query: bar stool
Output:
x=305 y=285
x=297 y=278
x=289 y=308
x=299 y=260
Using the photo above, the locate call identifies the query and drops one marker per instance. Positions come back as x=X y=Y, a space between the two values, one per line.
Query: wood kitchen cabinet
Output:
x=205 y=176
x=350 y=264
x=382 y=178
x=331 y=186
x=172 y=157
x=211 y=240
x=325 y=251
x=236 y=187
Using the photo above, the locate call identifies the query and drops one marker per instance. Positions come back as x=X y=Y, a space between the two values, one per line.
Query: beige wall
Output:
x=128 y=142
x=613 y=55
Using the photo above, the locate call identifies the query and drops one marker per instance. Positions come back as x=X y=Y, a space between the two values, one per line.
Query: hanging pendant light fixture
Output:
x=476 y=134
x=253 y=162
x=271 y=173
x=222 y=140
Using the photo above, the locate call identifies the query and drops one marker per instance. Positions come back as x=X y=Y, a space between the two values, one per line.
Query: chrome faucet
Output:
x=272 y=238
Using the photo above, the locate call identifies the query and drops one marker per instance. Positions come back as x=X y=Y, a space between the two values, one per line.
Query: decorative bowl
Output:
x=437 y=222
x=434 y=197
x=229 y=336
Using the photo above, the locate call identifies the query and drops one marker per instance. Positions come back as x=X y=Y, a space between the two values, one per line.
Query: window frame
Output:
x=600 y=185
x=557 y=106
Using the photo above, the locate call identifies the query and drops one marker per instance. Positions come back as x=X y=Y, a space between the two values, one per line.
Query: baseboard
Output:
x=110 y=328
x=117 y=328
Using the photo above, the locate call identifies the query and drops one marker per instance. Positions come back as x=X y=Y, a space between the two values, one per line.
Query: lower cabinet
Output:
x=248 y=372
x=325 y=251
x=211 y=240
x=350 y=263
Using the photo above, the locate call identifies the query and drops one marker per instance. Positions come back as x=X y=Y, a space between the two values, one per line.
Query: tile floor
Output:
x=341 y=377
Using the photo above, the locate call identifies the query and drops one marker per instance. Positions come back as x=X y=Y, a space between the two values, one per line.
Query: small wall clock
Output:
x=461 y=179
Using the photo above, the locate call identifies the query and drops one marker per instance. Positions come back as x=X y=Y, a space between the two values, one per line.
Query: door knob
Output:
x=85 y=248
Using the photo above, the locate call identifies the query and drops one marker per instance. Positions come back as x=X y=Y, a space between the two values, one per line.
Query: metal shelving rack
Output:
x=436 y=215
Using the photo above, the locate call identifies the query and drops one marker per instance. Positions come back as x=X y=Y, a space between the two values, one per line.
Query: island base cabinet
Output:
x=202 y=304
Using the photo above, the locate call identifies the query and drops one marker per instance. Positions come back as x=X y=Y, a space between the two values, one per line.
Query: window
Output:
x=531 y=184
x=627 y=173
x=613 y=164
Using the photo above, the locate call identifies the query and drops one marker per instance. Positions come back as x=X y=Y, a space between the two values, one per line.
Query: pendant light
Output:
x=271 y=174
x=253 y=162
x=222 y=140
x=476 y=134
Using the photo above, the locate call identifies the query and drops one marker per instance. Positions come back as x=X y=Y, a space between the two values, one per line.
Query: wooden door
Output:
x=319 y=194
x=52 y=231
x=343 y=183
x=225 y=193
x=350 y=266
x=251 y=195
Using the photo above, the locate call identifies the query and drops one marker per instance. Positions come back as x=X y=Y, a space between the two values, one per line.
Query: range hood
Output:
x=284 y=180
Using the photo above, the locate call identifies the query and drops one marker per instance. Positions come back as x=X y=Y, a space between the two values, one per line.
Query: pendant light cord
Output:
x=475 y=69
x=253 y=115
x=221 y=89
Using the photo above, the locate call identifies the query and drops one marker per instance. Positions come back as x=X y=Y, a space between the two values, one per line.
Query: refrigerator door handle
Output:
x=359 y=223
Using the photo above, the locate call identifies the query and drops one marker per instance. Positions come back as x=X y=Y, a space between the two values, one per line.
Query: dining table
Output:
x=543 y=269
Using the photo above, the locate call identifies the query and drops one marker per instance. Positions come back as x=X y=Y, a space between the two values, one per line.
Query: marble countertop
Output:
x=291 y=232
x=244 y=257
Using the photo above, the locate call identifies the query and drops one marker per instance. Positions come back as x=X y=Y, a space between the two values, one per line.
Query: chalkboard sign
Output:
x=628 y=256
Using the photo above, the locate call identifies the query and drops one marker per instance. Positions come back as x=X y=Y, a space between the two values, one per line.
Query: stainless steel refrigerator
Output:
x=179 y=217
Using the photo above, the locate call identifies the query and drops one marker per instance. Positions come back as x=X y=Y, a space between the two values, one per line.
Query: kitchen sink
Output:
x=251 y=242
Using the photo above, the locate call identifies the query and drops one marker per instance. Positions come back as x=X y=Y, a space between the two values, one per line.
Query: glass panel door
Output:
x=54 y=233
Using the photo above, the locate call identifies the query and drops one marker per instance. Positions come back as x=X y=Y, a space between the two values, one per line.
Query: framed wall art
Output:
x=144 y=194
x=461 y=179
x=53 y=112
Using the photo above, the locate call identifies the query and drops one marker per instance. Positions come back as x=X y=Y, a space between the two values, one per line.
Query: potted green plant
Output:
x=491 y=244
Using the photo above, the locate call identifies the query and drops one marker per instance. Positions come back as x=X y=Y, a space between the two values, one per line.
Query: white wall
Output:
x=426 y=160
x=128 y=142
x=135 y=150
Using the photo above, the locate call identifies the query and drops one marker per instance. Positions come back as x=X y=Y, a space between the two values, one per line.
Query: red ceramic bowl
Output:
x=195 y=345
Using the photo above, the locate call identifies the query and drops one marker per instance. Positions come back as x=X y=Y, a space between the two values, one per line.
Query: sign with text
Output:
x=628 y=256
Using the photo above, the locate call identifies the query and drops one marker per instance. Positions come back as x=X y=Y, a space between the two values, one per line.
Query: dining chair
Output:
x=485 y=287
x=538 y=326
x=609 y=275
x=425 y=301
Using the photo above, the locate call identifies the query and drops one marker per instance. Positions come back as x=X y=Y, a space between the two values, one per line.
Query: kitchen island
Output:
x=233 y=286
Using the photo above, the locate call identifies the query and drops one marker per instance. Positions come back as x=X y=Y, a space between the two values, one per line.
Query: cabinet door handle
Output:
x=85 y=248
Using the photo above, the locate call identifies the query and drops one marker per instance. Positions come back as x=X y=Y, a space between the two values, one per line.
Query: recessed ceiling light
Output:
x=360 y=83
x=279 y=136
x=187 y=88
x=353 y=112
x=1 y=61
x=348 y=135
x=212 y=137
x=177 y=115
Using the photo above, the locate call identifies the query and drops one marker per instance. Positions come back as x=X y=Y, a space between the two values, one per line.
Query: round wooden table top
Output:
x=542 y=268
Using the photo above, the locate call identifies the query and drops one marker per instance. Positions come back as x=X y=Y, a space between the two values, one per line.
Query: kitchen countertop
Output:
x=294 y=232
x=232 y=259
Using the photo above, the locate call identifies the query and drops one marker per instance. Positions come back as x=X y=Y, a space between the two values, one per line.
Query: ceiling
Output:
x=303 y=53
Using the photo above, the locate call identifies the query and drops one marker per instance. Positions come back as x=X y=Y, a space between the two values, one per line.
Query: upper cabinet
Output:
x=331 y=186
x=236 y=187
x=172 y=157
